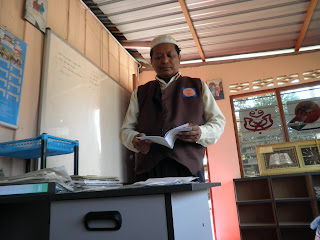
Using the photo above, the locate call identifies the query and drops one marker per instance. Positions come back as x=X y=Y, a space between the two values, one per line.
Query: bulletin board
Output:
x=81 y=102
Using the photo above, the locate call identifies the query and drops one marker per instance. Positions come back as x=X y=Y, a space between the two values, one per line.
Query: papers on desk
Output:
x=95 y=183
x=56 y=175
x=63 y=182
x=165 y=181
x=94 y=180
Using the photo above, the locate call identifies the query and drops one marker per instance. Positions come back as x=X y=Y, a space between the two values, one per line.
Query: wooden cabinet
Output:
x=279 y=207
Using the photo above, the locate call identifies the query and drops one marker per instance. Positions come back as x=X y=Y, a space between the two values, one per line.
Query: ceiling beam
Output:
x=192 y=29
x=136 y=44
x=307 y=19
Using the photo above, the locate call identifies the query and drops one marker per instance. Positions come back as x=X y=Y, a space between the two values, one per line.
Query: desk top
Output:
x=139 y=190
x=113 y=192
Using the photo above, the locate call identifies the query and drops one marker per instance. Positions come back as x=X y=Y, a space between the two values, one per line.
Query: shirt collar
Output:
x=164 y=84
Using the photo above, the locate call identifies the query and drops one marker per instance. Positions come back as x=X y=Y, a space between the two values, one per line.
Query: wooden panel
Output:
x=113 y=47
x=132 y=71
x=57 y=18
x=105 y=50
x=134 y=81
x=93 y=39
x=114 y=65
x=11 y=16
x=77 y=21
x=28 y=114
x=124 y=68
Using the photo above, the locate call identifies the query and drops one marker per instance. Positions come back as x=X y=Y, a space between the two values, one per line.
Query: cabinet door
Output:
x=143 y=218
x=191 y=216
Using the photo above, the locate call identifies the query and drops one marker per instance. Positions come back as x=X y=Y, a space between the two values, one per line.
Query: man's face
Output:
x=165 y=60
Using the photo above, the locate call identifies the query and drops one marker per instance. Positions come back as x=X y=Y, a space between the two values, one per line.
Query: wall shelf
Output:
x=279 y=207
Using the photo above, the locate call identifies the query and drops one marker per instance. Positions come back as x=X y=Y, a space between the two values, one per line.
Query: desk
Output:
x=171 y=212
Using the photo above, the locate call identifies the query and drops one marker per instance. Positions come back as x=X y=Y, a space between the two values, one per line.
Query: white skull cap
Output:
x=163 y=39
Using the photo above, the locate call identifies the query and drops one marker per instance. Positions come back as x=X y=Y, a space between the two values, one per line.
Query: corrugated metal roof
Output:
x=223 y=27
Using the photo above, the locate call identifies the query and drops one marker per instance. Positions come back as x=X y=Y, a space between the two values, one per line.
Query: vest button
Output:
x=165 y=111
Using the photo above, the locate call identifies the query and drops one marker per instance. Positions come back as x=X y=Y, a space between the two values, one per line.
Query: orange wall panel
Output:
x=133 y=66
x=11 y=16
x=93 y=39
x=77 y=21
x=114 y=68
x=113 y=47
x=28 y=114
x=105 y=50
x=124 y=68
x=114 y=58
x=57 y=18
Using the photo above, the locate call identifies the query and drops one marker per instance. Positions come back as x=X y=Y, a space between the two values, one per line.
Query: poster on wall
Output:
x=36 y=13
x=259 y=121
x=12 y=62
x=216 y=88
x=304 y=116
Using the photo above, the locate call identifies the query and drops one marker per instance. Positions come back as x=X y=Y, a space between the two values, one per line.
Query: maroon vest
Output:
x=179 y=103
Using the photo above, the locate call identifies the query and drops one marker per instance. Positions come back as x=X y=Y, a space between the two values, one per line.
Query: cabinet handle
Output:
x=103 y=221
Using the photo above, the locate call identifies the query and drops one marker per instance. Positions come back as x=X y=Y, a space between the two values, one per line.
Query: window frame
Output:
x=277 y=91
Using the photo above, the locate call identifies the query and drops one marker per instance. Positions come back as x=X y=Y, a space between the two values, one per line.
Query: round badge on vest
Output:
x=189 y=92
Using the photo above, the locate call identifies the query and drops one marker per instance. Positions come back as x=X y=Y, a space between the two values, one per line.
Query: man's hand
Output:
x=192 y=136
x=142 y=146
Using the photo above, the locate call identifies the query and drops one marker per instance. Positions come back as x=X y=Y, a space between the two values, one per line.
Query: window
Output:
x=276 y=116
x=307 y=99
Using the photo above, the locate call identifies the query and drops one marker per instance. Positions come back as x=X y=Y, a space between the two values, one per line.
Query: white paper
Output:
x=165 y=181
x=170 y=137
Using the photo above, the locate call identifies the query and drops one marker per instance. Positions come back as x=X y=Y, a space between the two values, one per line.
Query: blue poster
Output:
x=12 y=62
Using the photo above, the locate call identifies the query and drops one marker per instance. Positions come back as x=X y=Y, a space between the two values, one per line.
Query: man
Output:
x=165 y=103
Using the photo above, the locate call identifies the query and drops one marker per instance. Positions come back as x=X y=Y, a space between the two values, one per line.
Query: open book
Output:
x=169 y=139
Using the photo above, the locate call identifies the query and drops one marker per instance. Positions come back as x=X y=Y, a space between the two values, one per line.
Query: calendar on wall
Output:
x=12 y=63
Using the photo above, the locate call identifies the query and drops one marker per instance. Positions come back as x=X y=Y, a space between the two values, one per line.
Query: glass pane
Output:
x=258 y=123
x=302 y=112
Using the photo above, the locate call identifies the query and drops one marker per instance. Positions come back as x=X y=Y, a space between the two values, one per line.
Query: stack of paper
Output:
x=91 y=182
x=56 y=175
